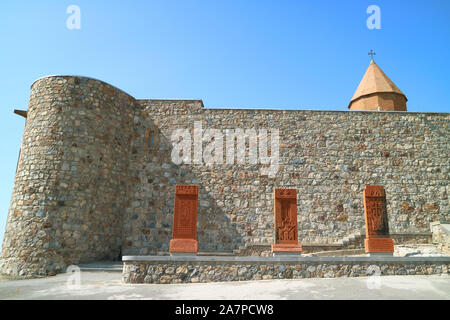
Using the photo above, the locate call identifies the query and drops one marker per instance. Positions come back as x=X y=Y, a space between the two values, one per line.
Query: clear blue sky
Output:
x=229 y=53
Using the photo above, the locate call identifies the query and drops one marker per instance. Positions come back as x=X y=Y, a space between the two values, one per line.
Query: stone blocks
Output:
x=217 y=269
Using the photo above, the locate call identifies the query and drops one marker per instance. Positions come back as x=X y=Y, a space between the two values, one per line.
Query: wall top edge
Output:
x=172 y=100
x=169 y=100
x=241 y=109
x=329 y=111
x=82 y=77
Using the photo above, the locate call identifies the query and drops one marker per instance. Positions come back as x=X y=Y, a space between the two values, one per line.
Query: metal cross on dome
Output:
x=372 y=53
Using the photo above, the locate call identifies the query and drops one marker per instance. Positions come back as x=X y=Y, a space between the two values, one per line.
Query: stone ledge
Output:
x=287 y=259
x=271 y=109
x=68 y=76
x=101 y=266
x=151 y=269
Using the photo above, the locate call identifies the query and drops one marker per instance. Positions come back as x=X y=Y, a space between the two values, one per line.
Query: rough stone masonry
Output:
x=95 y=178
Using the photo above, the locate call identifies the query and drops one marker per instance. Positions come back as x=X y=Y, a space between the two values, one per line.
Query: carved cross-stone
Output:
x=184 y=230
x=377 y=227
x=285 y=217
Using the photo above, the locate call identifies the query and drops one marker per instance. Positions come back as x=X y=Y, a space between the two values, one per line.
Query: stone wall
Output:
x=71 y=182
x=95 y=176
x=185 y=270
x=328 y=156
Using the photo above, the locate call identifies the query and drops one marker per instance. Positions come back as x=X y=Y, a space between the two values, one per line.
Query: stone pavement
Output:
x=108 y=285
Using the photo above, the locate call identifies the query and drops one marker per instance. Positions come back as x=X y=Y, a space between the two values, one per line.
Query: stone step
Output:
x=337 y=253
x=203 y=253
x=227 y=253
x=102 y=266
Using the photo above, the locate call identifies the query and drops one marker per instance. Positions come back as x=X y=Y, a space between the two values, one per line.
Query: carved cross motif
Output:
x=185 y=215
x=286 y=216
x=375 y=211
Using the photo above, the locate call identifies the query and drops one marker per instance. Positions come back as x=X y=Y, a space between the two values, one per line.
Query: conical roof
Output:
x=375 y=81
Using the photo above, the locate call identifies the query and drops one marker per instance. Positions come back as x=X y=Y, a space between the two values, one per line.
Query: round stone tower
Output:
x=71 y=180
x=377 y=92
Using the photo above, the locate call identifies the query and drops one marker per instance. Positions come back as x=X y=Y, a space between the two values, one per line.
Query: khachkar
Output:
x=184 y=231
x=285 y=216
x=377 y=228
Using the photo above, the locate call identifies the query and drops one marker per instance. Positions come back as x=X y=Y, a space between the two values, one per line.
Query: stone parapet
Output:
x=155 y=269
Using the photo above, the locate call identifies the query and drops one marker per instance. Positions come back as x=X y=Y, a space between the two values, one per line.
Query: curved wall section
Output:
x=70 y=186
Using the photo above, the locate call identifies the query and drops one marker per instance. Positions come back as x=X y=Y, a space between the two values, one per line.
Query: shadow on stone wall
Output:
x=149 y=216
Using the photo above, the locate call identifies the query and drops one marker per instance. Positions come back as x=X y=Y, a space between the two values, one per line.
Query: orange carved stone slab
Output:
x=379 y=245
x=285 y=217
x=375 y=214
x=184 y=230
